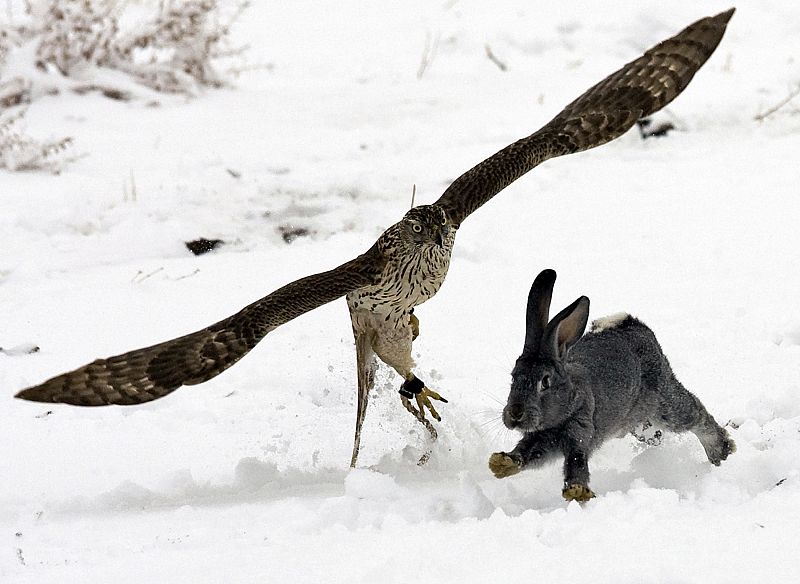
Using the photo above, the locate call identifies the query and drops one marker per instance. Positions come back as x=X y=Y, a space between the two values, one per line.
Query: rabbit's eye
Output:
x=417 y=228
x=545 y=382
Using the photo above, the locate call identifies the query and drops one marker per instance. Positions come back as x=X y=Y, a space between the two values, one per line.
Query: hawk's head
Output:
x=426 y=225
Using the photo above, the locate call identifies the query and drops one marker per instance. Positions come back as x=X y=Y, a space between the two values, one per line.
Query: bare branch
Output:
x=428 y=53
x=792 y=94
x=500 y=64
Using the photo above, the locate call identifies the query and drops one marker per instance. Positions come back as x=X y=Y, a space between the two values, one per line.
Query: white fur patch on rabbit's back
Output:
x=611 y=321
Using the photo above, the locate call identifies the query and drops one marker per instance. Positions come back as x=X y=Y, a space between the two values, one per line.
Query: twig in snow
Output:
x=131 y=195
x=792 y=94
x=189 y=275
x=236 y=71
x=500 y=64
x=428 y=53
x=141 y=276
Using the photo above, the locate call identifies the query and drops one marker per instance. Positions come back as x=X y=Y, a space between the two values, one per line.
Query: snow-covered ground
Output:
x=246 y=478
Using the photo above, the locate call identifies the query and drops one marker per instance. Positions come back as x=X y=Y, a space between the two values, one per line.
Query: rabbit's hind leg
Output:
x=682 y=411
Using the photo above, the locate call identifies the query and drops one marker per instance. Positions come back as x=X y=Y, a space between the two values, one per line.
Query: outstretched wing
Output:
x=604 y=112
x=146 y=374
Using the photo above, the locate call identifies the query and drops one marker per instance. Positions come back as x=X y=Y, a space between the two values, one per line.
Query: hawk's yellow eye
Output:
x=417 y=228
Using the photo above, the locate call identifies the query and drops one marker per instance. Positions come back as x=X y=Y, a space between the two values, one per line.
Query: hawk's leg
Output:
x=414 y=322
x=392 y=344
x=414 y=387
x=422 y=396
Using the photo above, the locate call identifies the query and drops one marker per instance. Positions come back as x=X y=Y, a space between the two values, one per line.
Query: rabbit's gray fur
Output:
x=570 y=392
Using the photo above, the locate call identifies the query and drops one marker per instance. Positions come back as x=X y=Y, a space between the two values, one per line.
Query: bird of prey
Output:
x=409 y=261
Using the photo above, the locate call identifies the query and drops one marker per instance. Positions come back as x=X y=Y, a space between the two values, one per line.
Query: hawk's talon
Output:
x=415 y=387
x=424 y=401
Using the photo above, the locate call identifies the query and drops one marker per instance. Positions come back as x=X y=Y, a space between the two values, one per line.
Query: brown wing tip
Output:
x=724 y=17
x=718 y=23
x=34 y=394
x=52 y=391
x=81 y=388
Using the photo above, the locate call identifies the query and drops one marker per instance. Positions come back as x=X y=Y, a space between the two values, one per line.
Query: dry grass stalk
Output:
x=18 y=151
x=778 y=106
x=176 y=50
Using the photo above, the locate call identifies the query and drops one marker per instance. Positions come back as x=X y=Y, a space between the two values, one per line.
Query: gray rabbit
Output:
x=570 y=392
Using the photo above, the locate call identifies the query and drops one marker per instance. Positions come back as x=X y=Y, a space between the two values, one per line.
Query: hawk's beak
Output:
x=441 y=234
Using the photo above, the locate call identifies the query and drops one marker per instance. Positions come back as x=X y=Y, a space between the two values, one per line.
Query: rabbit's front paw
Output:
x=504 y=465
x=575 y=492
x=725 y=448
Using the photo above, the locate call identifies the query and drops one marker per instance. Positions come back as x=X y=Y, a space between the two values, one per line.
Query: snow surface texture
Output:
x=245 y=478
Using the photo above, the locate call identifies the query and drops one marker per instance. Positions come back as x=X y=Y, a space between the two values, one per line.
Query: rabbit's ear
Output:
x=566 y=328
x=538 y=310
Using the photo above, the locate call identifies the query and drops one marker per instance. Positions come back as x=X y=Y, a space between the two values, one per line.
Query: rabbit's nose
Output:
x=515 y=412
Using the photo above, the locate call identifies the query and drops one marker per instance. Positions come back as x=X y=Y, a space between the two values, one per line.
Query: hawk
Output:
x=407 y=264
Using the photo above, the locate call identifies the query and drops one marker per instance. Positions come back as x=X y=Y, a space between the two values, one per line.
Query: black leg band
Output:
x=411 y=387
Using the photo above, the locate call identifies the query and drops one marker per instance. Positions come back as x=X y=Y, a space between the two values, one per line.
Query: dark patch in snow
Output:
x=648 y=130
x=109 y=92
x=23 y=349
x=203 y=245
x=290 y=233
